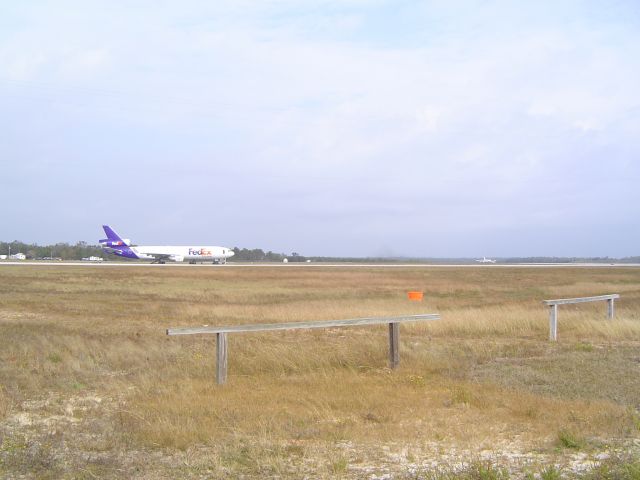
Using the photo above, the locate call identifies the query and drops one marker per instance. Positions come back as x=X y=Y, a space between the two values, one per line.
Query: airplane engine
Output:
x=177 y=258
x=109 y=243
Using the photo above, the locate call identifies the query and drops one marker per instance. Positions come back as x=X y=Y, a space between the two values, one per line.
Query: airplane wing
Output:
x=159 y=256
x=162 y=257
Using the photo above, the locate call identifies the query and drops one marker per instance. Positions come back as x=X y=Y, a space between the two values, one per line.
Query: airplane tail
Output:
x=116 y=245
x=113 y=239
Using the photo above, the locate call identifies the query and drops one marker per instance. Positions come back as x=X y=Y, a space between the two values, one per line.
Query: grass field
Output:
x=91 y=387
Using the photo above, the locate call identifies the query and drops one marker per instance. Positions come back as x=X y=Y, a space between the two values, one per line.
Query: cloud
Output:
x=379 y=122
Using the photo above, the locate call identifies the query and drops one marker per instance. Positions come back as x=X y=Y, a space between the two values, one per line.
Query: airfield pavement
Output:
x=323 y=265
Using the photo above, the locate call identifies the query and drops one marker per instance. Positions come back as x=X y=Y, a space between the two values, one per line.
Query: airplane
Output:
x=122 y=247
x=485 y=260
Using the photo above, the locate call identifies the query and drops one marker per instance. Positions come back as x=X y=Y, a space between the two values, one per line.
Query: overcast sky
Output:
x=433 y=128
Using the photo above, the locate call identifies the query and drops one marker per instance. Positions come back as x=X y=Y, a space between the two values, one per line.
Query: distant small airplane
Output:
x=122 y=247
x=485 y=260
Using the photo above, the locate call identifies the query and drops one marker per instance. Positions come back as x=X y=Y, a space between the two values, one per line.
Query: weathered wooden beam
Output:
x=553 y=309
x=563 y=301
x=221 y=334
x=298 y=325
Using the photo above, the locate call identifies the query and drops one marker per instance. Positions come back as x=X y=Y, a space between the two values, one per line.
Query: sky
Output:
x=335 y=128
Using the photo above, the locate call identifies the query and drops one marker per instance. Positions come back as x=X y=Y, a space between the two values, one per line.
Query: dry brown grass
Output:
x=84 y=355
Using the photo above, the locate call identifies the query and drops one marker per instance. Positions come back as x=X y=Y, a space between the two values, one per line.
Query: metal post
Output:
x=610 y=308
x=394 y=351
x=553 y=322
x=221 y=357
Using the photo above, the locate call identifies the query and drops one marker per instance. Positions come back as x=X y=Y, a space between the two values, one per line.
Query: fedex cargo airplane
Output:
x=122 y=247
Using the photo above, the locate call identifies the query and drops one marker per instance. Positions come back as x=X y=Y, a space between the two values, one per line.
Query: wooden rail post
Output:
x=553 y=322
x=553 y=309
x=394 y=344
x=221 y=358
x=610 y=308
x=221 y=334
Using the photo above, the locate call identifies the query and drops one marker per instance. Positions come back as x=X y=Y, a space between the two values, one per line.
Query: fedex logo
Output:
x=111 y=243
x=202 y=251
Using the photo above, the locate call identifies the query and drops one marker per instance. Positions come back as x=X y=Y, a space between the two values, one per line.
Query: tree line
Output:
x=80 y=250
x=63 y=251
x=259 y=255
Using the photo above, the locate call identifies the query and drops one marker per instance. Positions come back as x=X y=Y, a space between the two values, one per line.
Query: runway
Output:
x=314 y=265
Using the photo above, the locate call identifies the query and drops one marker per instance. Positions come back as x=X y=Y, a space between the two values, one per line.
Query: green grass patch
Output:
x=568 y=439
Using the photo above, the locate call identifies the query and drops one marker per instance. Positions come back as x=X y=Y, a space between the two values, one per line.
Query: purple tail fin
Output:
x=113 y=239
x=116 y=245
x=111 y=235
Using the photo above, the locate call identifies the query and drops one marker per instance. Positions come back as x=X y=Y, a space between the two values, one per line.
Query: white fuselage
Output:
x=179 y=253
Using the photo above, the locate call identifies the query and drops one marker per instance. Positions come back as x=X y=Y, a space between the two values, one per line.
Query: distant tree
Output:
x=62 y=250
x=255 y=255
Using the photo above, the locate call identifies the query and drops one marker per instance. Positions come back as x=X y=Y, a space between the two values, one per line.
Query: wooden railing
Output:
x=221 y=334
x=553 y=309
